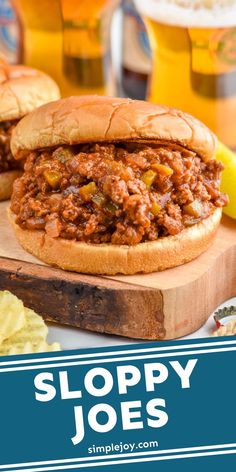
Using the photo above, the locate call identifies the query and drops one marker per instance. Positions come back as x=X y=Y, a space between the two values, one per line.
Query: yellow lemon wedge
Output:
x=228 y=184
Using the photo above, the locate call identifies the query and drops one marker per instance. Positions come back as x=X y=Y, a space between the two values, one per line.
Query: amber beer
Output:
x=69 y=39
x=194 y=59
x=42 y=39
x=86 y=44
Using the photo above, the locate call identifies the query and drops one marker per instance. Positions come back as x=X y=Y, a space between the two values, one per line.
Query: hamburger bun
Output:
x=109 y=259
x=22 y=89
x=88 y=119
x=94 y=119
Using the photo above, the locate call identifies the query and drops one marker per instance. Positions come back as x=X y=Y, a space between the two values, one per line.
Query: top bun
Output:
x=88 y=119
x=22 y=89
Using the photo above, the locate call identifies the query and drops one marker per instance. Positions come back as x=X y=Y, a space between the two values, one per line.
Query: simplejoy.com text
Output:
x=122 y=447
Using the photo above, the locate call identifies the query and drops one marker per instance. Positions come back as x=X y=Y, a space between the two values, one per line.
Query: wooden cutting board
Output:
x=162 y=305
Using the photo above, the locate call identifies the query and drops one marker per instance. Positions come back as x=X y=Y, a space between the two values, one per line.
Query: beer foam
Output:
x=186 y=13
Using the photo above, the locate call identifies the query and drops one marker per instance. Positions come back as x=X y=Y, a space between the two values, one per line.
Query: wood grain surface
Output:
x=163 y=305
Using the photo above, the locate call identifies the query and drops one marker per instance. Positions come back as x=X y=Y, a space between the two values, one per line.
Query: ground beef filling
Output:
x=7 y=161
x=119 y=194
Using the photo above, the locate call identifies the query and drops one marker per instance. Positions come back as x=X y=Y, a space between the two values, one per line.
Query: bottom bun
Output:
x=108 y=259
x=6 y=183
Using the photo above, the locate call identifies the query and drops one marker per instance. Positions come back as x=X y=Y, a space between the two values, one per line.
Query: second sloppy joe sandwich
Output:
x=22 y=89
x=115 y=186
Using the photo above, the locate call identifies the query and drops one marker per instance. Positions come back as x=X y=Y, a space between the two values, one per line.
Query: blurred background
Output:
x=142 y=49
x=96 y=46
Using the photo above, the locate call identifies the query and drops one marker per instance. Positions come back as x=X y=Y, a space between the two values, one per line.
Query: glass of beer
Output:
x=41 y=23
x=86 y=45
x=194 y=59
x=70 y=40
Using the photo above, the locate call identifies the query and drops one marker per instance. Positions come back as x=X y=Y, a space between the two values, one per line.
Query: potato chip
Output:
x=10 y=349
x=22 y=331
x=12 y=315
x=31 y=338
x=34 y=329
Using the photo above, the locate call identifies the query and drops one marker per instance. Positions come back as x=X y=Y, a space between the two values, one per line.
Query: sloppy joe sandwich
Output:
x=115 y=186
x=21 y=90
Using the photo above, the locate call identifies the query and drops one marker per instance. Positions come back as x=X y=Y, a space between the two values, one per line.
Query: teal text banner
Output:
x=166 y=406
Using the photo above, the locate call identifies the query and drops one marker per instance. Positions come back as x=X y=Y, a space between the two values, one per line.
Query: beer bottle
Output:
x=9 y=32
x=136 y=54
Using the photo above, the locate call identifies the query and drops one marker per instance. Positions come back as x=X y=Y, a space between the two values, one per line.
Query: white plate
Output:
x=75 y=338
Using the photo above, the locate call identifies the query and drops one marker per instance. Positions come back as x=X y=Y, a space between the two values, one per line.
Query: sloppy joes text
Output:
x=129 y=395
